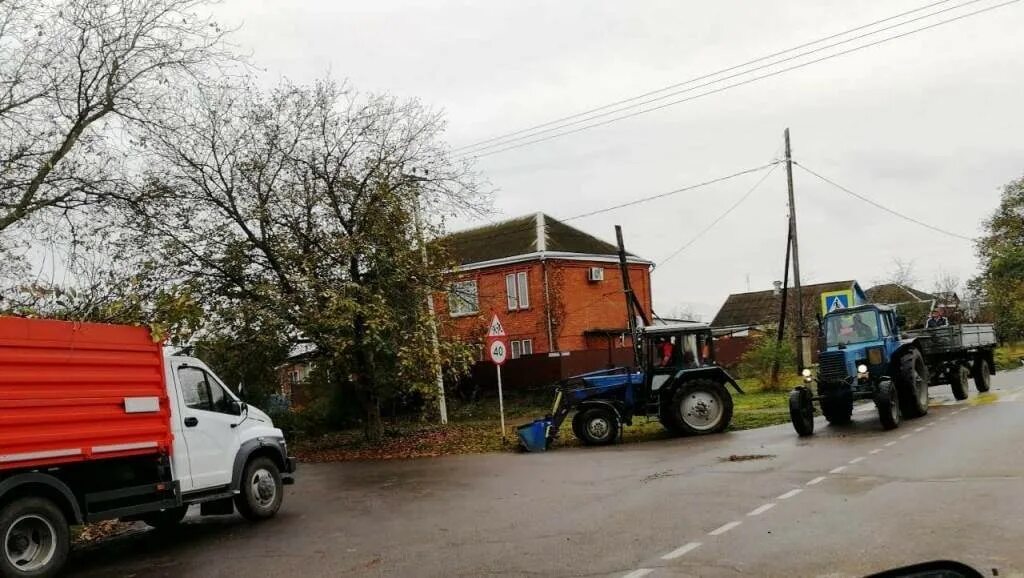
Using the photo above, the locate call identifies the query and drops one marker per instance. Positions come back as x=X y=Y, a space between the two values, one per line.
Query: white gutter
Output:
x=541 y=255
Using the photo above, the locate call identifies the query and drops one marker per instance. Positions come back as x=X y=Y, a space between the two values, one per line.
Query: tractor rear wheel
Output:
x=912 y=384
x=838 y=408
x=958 y=378
x=701 y=406
x=801 y=411
x=598 y=426
x=888 y=405
x=982 y=376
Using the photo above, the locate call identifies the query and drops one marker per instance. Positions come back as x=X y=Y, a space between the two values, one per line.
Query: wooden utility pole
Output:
x=796 y=260
x=782 y=308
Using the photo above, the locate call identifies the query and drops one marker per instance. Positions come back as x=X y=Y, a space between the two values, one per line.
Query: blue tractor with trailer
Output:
x=674 y=378
x=677 y=382
x=865 y=354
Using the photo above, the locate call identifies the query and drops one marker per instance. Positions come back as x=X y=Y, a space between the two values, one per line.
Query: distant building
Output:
x=914 y=304
x=556 y=289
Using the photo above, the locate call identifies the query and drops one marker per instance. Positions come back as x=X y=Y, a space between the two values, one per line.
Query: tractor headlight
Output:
x=862 y=368
x=806 y=372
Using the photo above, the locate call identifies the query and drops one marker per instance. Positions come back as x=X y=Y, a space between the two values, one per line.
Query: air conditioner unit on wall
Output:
x=595 y=274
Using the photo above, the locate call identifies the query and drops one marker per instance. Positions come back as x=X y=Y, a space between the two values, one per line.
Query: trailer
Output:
x=955 y=354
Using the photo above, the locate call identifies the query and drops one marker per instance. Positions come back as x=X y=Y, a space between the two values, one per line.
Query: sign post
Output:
x=499 y=353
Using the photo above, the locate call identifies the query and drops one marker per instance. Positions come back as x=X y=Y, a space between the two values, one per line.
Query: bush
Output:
x=758 y=361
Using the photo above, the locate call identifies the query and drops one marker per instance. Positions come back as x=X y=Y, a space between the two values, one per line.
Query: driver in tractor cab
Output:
x=863 y=331
x=664 y=352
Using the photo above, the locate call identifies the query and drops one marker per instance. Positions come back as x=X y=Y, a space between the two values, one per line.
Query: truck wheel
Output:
x=912 y=385
x=165 y=519
x=838 y=409
x=35 y=538
x=599 y=426
x=888 y=405
x=801 y=411
x=958 y=379
x=702 y=406
x=261 y=491
x=982 y=376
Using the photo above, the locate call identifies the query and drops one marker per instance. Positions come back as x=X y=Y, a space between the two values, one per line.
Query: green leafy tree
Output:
x=303 y=203
x=760 y=359
x=1001 y=251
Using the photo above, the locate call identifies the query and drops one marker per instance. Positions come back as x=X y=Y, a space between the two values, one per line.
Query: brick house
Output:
x=557 y=290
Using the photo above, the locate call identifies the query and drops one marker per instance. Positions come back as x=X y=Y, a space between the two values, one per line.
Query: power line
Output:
x=532 y=226
x=720 y=217
x=698 y=78
x=881 y=206
x=743 y=82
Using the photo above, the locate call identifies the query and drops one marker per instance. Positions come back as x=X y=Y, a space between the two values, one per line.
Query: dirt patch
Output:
x=747 y=457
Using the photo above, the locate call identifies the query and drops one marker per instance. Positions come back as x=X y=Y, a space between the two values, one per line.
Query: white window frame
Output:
x=517 y=349
x=457 y=293
x=517 y=291
x=527 y=347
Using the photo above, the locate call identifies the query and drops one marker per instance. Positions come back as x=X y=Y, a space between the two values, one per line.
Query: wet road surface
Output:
x=846 y=502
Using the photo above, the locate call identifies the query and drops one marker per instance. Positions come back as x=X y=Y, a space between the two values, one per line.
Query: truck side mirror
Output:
x=238 y=407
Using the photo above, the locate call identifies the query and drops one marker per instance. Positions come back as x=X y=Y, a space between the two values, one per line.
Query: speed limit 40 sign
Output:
x=498 y=351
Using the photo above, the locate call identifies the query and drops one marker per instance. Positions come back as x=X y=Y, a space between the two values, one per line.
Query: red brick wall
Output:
x=577 y=304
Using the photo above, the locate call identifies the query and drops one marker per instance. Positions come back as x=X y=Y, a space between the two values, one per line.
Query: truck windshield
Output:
x=848 y=328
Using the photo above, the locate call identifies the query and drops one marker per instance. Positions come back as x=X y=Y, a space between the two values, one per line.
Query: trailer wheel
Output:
x=912 y=385
x=35 y=538
x=838 y=409
x=599 y=426
x=801 y=411
x=165 y=519
x=701 y=406
x=261 y=491
x=958 y=379
x=888 y=404
x=982 y=376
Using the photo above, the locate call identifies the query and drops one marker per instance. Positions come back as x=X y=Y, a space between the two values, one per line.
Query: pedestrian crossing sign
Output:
x=835 y=300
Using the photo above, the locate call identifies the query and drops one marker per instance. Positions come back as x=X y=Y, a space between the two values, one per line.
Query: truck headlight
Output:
x=806 y=372
x=862 y=368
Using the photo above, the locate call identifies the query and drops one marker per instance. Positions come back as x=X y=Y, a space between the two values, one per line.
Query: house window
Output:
x=463 y=298
x=518 y=291
x=521 y=347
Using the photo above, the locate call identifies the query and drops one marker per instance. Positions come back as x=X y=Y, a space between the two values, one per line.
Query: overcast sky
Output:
x=930 y=125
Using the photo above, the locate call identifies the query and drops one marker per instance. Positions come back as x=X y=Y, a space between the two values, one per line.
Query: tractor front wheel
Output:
x=597 y=426
x=801 y=411
x=838 y=408
x=888 y=405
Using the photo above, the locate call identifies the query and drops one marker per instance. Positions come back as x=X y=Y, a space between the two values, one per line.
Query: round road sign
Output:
x=498 y=351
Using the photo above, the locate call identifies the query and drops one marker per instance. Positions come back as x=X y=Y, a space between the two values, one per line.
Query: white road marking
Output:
x=816 y=480
x=905 y=436
x=837 y=470
x=790 y=494
x=855 y=460
x=889 y=444
x=724 y=528
x=876 y=450
x=681 y=550
x=639 y=573
x=761 y=509
x=918 y=429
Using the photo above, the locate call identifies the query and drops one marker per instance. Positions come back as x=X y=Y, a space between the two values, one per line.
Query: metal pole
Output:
x=501 y=404
x=442 y=405
x=782 y=309
x=630 y=303
x=796 y=260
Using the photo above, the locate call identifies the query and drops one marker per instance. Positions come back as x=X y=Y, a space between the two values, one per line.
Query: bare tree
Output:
x=902 y=272
x=73 y=77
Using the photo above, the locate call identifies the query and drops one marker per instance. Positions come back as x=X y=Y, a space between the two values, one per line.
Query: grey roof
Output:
x=896 y=293
x=762 y=307
x=522 y=236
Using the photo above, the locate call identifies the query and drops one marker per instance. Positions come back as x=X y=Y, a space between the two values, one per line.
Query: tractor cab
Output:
x=670 y=349
x=860 y=336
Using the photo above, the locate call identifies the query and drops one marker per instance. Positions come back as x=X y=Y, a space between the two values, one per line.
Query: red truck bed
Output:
x=72 y=392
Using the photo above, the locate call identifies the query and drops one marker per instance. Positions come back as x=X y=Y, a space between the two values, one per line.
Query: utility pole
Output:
x=435 y=350
x=796 y=260
x=782 y=309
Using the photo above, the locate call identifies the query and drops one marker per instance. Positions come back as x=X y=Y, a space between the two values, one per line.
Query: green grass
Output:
x=475 y=428
x=1008 y=356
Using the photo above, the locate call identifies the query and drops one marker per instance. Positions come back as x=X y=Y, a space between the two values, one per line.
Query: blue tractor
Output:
x=863 y=356
x=678 y=382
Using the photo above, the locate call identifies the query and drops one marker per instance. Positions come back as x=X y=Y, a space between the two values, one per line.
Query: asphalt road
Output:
x=846 y=502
